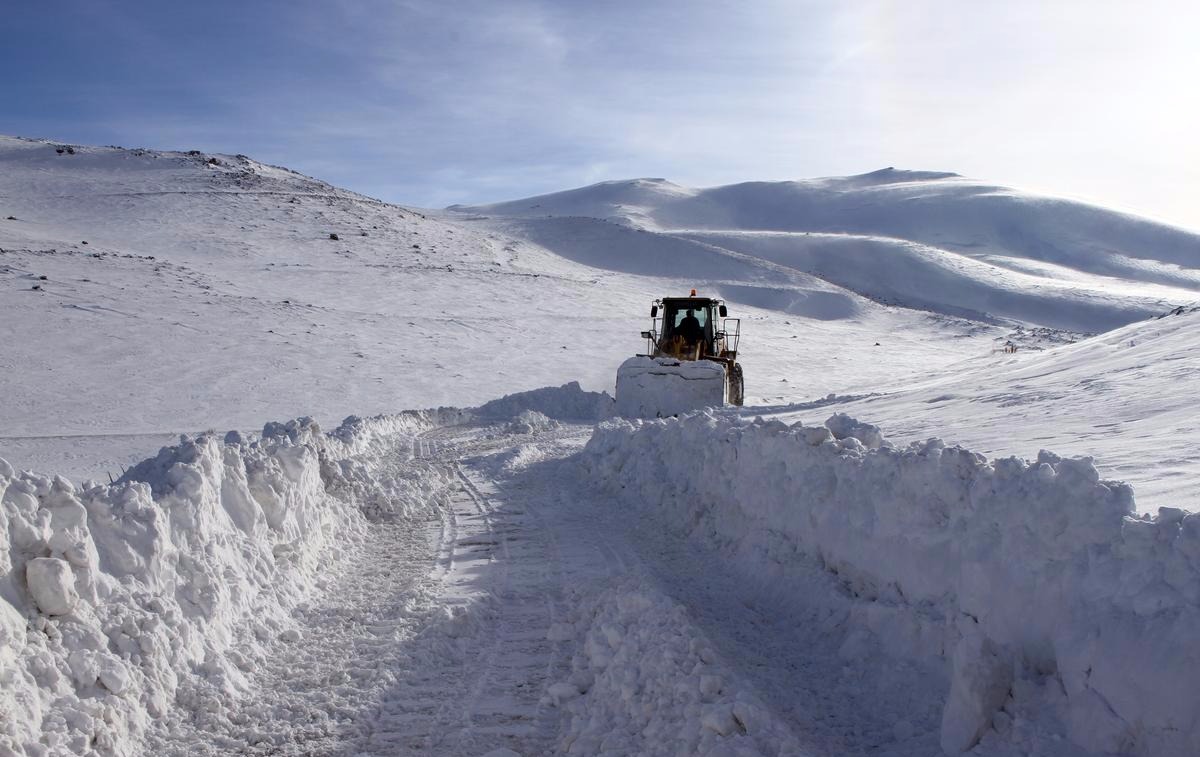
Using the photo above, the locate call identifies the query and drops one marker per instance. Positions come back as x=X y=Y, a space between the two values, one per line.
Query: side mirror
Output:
x=647 y=335
x=654 y=311
x=722 y=310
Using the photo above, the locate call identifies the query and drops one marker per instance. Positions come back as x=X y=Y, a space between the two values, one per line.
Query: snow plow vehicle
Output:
x=690 y=360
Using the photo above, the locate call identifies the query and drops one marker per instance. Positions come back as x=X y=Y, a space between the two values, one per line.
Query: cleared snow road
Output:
x=431 y=640
x=531 y=614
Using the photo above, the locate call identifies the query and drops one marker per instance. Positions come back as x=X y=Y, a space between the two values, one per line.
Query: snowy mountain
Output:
x=196 y=291
x=824 y=571
x=934 y=241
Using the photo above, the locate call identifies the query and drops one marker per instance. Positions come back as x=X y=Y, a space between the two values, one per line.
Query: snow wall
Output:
x=994 y=570
x=115 y=599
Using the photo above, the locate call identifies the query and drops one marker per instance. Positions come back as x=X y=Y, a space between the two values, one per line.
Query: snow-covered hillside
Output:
x=147 y=294
x=1122 y=397
x=921 y=239
x=210 y=293
x=211 y=288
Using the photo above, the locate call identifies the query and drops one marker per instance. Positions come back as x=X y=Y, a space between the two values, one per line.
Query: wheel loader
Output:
x=690 y=360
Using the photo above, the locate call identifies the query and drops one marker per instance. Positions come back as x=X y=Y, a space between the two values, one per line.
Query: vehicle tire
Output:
x=737 y=385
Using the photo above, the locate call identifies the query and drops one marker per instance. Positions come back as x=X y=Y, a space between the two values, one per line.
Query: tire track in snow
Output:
x=439 y=637
x=483 y=661
x=319 y=690
x=431 y=639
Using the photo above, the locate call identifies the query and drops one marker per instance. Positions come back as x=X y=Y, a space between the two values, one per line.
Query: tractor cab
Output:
x=691 y=328
x=689 y=321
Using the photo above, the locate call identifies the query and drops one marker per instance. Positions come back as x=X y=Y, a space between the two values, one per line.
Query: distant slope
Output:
x=757 y=280
x=144 y=293
x=1124 y=397
x=927 y=240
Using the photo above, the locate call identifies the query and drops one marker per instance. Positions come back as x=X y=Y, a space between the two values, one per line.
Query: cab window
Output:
x=701 y=315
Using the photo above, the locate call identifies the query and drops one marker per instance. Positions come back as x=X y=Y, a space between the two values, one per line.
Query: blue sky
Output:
x=430 y=103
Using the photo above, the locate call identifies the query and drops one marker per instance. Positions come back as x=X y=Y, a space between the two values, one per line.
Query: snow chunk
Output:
x=842 y=426
x=719 y=719
x=52 y=585
x=981 y=681
x=114 y=676
x=530 y=422
x=562 y=692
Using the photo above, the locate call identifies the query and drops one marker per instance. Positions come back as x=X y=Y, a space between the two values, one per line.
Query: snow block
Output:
x=843 y=426
x=981 y=682
x=52 y=585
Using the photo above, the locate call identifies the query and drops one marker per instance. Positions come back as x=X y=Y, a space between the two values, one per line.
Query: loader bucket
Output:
x=661 y=387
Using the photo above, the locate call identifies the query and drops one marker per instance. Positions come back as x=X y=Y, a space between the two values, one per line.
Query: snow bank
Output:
x=646 y=682
x=565 y=403
x=114 y=598
x=1000 y=571
x=661 y=387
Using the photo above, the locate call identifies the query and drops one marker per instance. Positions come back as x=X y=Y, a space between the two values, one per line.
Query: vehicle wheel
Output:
x=737 y=385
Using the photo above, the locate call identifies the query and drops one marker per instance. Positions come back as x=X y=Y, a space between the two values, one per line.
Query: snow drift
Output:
x=1001 y=571
x=114 y=597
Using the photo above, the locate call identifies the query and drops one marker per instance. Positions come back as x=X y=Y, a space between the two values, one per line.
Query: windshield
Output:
x=700 y=314
x=687 y=321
